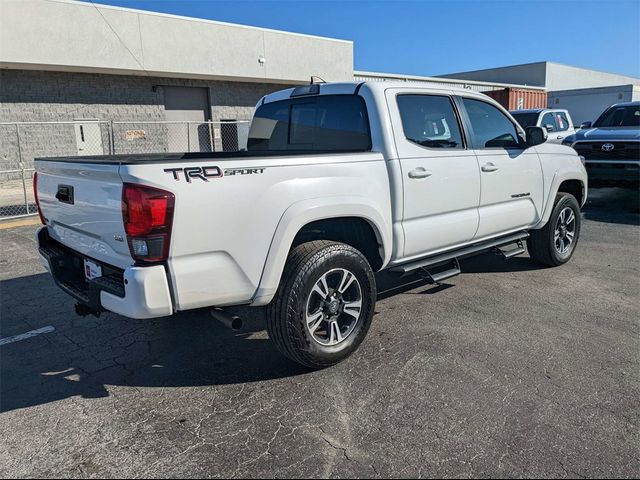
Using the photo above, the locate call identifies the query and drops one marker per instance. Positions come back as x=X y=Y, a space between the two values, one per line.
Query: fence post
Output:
x=21 y=163
x=112 y=143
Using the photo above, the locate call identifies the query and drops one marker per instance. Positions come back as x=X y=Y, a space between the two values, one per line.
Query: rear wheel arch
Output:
x=347 y=220
x=354 y=231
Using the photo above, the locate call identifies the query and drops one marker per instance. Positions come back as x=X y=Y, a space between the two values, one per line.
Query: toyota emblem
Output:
x=607 y=147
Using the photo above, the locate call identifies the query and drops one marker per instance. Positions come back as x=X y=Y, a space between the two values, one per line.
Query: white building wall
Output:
x=64 y=35
x=567 y=77
x=586 y=104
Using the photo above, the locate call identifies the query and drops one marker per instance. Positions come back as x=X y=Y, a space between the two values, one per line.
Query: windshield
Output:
x=622 y=116
x=526 y=119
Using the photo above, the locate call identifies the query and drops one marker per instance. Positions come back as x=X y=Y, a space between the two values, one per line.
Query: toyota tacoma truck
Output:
x=338 y=181
x=611 y=146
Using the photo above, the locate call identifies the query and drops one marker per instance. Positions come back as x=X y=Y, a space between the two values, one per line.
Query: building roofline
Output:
x=544 y=62
x=89 y=4
x=418 y=78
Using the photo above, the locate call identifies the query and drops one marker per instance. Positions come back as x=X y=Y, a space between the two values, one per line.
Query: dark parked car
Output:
x=611 y=146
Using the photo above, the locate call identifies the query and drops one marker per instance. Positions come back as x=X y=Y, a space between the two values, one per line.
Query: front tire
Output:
x=324 y=305
x=554 y=244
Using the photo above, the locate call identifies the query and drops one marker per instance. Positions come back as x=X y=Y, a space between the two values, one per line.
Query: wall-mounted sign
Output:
x=135 y=134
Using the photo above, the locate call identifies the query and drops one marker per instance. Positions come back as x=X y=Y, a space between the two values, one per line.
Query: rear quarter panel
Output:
x=224 y=228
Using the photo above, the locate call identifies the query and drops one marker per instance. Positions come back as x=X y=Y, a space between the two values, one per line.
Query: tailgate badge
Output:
x=118 y=238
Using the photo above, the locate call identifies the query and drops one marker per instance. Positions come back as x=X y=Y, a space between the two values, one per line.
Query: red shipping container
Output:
x=519 y=98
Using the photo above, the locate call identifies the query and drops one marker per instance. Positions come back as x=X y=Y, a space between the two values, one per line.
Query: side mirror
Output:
x=535 y=136
x=549 y=128
x=585 y=125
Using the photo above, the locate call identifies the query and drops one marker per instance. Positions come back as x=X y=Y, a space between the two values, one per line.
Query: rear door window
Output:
x=430 y=121
x=320 y=123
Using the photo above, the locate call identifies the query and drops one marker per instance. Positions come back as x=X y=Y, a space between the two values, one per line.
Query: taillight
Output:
x=147 y=214
x=35 y=195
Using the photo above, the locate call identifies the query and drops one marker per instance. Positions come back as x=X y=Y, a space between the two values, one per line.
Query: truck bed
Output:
x=145 y=158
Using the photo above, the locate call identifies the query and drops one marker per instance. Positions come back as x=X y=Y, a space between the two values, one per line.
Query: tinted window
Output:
x=562 y=121
x=430 y=121
x=627 y=116
x=322 y=123
x=549 y=120
x=526 y=119
x=491 y=127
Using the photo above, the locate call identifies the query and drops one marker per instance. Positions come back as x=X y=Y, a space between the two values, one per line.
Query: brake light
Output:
x=35 y=195
x=147 y=213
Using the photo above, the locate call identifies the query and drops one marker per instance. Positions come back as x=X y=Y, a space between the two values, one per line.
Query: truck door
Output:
x=440 y=177
x=511 y=175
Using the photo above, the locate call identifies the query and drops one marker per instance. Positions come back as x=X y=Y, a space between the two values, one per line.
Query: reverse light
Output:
x=147 y=214
x=35 y=195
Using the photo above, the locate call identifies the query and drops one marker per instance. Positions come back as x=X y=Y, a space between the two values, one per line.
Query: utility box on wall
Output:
x=519 y=98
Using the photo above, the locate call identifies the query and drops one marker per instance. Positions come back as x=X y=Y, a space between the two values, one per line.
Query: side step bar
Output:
x=455 y=255
x=438 y=277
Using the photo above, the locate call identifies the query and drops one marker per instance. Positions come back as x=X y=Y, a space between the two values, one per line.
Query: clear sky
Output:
x=431 y=37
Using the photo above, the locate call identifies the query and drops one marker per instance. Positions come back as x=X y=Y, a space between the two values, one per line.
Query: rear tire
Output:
x=554 y=244
x=324 y=305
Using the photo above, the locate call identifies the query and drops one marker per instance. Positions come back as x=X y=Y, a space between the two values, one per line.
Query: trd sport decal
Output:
x=205 y=173
x=243 y=171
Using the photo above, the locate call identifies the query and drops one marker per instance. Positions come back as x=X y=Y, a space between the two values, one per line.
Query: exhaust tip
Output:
x=230 y=321
x=236 y=323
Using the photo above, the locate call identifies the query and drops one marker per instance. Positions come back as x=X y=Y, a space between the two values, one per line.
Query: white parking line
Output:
x=24 y=336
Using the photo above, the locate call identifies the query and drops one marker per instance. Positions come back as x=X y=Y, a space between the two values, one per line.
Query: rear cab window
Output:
x=526 y=119
x=321 y=123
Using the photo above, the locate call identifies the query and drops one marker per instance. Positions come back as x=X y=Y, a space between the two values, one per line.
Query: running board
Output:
x=438 y=277
x=489 y=245
x=518 y=250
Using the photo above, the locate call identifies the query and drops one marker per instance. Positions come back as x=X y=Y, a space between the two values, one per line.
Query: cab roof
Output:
x=351 y=88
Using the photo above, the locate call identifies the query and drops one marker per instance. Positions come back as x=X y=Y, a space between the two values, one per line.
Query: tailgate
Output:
x=81 y=203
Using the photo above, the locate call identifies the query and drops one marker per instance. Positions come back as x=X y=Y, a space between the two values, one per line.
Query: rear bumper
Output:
x=613 y=174
x=135 y=292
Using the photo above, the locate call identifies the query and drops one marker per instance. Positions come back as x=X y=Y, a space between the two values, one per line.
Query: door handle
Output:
x=559 y=137
x=489 y=167
x=419 y=172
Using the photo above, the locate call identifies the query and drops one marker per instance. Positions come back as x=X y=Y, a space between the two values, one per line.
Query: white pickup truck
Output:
x=338 y=181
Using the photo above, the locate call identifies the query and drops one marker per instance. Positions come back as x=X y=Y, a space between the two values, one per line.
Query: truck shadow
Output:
x=83 y=356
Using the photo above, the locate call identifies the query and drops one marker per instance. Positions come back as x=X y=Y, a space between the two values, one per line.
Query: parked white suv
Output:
x=557 y=122
x=339 y=181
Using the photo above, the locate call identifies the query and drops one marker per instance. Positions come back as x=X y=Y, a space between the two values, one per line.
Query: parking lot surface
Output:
x=509 y=370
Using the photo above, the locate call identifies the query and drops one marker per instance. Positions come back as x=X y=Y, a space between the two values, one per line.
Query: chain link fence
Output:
x=21 y=143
